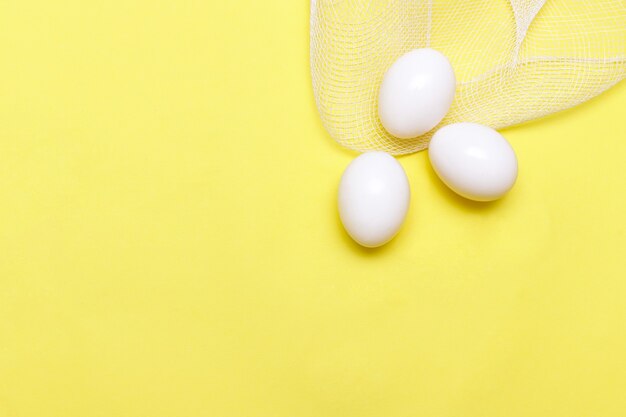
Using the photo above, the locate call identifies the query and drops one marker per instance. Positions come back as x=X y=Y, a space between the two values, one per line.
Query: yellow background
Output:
x=169 y=243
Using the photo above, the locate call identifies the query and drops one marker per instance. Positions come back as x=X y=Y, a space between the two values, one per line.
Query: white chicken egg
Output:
x=416 y=93
x=473 y=160
x=373 y=198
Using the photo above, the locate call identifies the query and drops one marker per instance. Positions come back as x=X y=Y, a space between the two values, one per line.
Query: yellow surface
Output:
x=169 y=243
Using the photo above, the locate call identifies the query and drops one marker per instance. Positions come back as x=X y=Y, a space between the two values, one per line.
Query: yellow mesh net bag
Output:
x=515 y=60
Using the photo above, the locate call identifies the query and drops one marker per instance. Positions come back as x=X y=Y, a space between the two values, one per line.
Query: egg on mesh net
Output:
x=416 y=93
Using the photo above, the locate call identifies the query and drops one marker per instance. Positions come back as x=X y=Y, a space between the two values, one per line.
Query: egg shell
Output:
x=373 y=198
x=416 y=93
x=473 y=160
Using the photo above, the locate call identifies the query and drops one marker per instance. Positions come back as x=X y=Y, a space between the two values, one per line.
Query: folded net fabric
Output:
x=515 y=60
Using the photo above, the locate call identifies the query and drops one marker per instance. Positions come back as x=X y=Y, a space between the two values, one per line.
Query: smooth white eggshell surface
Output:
x=473 y=160
x=374 y=198
x=416 y=93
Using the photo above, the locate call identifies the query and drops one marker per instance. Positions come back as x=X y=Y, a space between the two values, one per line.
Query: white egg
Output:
x=416 y=93
x=374 y=198
x=473 y=160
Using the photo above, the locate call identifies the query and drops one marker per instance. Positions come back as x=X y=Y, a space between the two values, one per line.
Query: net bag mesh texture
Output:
x=515 y=60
